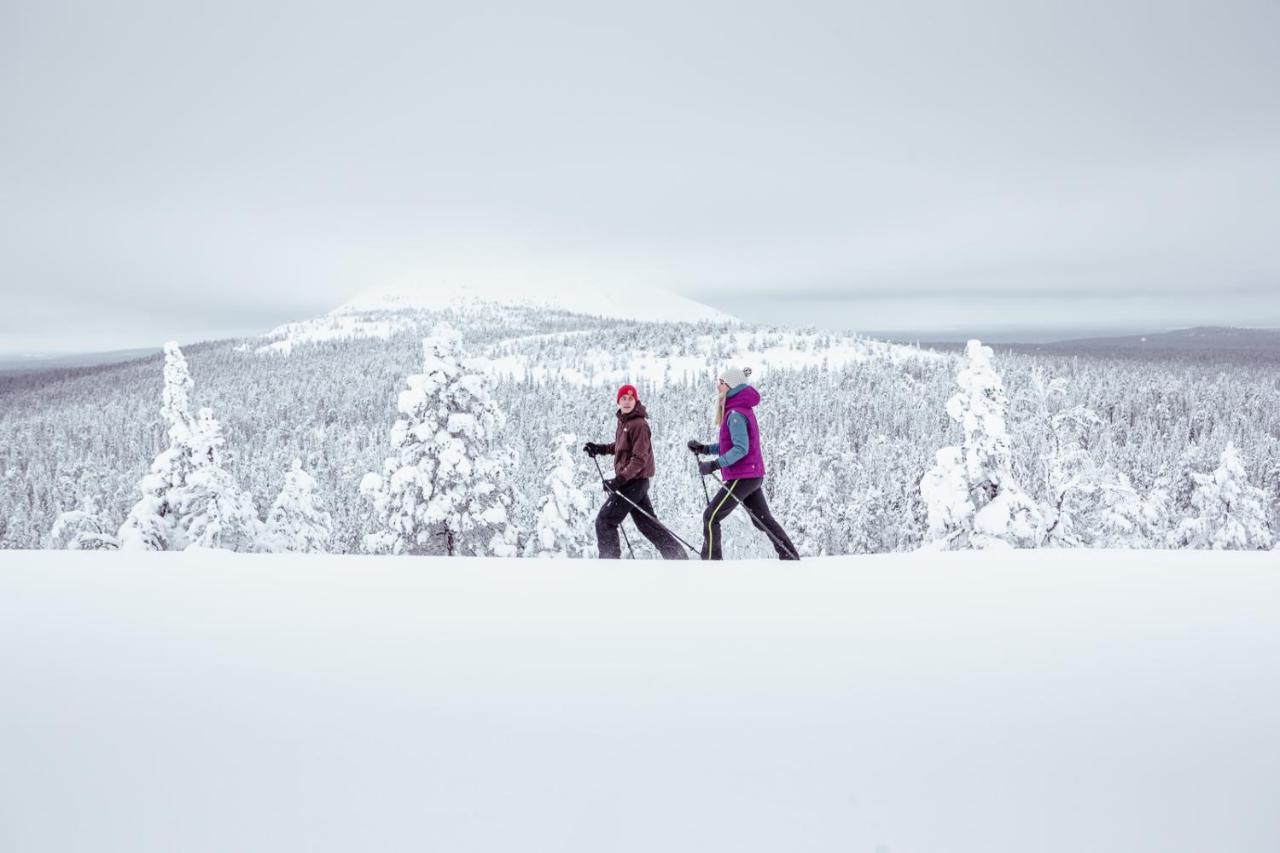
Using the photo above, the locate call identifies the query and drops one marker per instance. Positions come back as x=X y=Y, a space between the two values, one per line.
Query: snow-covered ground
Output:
x=1024 y=701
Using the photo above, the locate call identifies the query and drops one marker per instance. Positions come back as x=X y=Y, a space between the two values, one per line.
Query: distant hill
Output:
x=23 y=363
x=1200 y=343
x=383 y=312
x=1196 y=339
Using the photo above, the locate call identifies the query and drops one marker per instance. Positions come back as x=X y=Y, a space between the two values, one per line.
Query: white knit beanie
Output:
x=735 y=376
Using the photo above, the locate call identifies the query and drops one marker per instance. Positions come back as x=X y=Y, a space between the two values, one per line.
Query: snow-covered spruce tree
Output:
x=82 y=530
x=564 y=523
x=1229 y=513
x=973 y=499
x=945 y=490
x=1121 y=518
x=1064 y=475
x=213 y=511
x=1172 y=492
x=151 y=523
x=445 y=489
x=297 y=523
x=1089 y=504
x=1271 y=488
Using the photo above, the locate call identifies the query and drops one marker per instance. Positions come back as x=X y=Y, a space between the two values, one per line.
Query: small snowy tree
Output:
x=188 y=498
x=1072 y=478
x=973 y=499
x=151 y=523
x=1229 y=513
x=1120 y=517
x=82 y=530
x=945 y=490
x=564 y=525
x=213 y=512
x=296 y=522
x=1171 y=494
x=444 y=490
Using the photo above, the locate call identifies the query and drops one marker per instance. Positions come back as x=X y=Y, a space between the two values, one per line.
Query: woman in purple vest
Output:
x=741 y=465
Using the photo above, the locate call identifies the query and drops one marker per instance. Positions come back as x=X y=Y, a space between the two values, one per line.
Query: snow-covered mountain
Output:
x=649 y=304
x=586 y=337
x=383 y=311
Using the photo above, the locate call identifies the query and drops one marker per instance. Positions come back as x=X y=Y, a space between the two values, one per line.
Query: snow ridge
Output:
x=384 y=311
x=652 y=304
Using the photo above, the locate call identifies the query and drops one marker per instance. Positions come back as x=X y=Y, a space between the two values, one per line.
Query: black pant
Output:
x=722 y=503
x=615 y=509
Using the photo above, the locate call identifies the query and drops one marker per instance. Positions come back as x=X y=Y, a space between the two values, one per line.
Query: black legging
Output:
x=615 y=509
x=748 y=491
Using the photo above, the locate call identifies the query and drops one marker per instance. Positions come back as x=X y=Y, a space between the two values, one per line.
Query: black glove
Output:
x=705 y=468
x=613 y=484
x=593 y=449
x=698 y=447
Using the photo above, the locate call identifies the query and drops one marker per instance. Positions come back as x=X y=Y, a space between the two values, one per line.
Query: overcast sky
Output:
x=175 y=170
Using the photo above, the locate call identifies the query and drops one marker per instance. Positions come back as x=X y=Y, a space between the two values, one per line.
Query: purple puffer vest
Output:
x=751 y=465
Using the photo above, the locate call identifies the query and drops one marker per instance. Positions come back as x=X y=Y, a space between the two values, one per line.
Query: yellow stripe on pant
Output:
x=715 y=512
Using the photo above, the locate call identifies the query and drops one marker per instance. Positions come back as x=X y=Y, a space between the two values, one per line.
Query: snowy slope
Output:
x=1048 y=701
x=663 y=338
x=333 y=327
x=381 y=312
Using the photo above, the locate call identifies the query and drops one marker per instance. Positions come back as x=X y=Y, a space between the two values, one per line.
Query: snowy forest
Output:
x=459 y=432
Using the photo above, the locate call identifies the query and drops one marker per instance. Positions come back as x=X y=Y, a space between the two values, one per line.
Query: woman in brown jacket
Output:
x=632 y=451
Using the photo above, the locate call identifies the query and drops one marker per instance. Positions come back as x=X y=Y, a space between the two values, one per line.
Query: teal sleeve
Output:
x=741 y=443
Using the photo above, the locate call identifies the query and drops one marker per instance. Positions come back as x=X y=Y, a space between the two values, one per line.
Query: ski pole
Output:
x=759 y=523
x=641 y=510
x=625 y=537
x=702 y=477
x=647 y=515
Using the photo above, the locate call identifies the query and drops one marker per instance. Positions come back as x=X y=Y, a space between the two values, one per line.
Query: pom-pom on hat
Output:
x=735 y=376
x=627 y=389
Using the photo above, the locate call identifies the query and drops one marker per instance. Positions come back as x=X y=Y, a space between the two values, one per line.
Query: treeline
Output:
x=847 y=446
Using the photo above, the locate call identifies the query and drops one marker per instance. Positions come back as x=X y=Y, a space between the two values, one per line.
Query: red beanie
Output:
x=627 y=389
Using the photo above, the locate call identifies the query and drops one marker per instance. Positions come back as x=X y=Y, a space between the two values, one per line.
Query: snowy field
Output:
x=1025 y=702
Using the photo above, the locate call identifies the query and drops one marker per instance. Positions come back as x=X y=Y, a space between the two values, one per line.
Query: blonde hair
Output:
x=740 y=378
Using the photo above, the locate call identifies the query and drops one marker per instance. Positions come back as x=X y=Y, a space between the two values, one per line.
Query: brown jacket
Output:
x=632 y=447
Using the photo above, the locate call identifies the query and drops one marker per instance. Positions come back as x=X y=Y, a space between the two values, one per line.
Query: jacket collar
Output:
x=637 y=412
x=741 y=397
